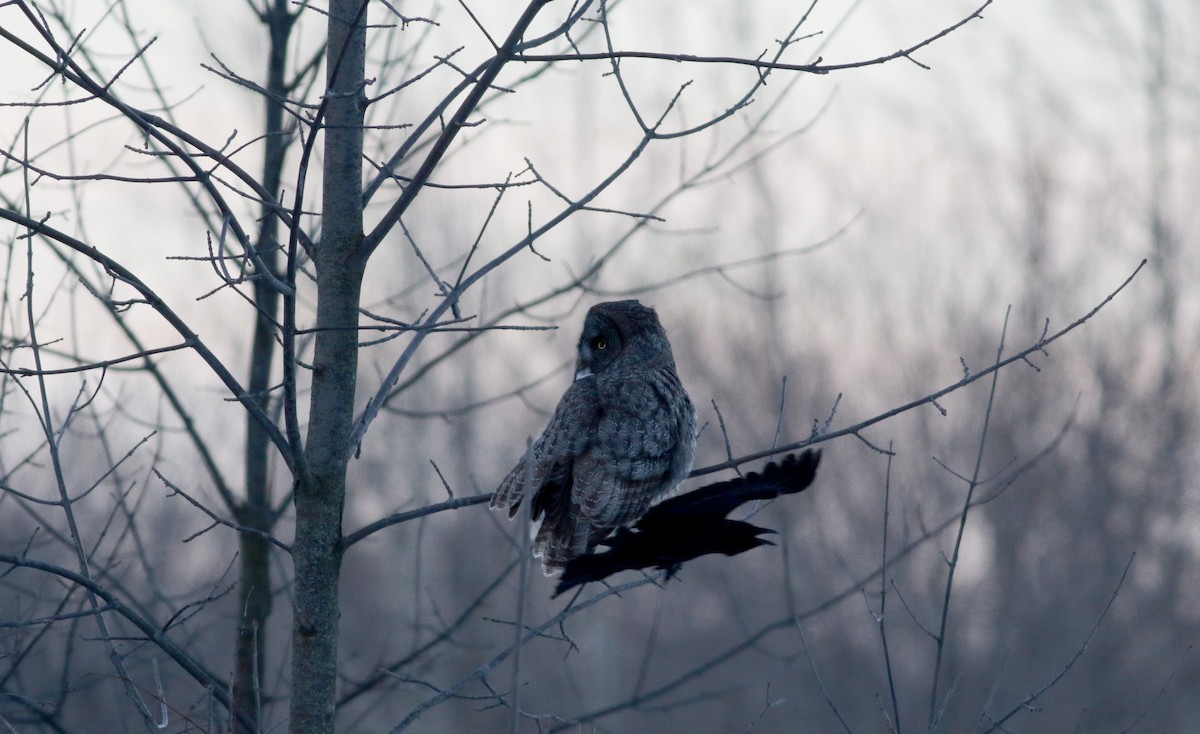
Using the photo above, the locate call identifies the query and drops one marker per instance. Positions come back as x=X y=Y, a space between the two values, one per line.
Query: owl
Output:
x=623 y=435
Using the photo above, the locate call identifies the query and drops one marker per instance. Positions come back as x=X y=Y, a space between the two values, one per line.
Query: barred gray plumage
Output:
x=622 y=436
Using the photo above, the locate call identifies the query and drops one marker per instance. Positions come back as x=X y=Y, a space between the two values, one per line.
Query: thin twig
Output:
x=854 y=430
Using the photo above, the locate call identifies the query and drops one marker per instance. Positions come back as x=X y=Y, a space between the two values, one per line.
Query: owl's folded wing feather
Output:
x=570 y=431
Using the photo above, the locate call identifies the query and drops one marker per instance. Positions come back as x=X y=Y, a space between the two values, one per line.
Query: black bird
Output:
x=693 y=524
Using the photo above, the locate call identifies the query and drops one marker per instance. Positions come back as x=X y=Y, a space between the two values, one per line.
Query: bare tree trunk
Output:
x=254 y=598
x=321 y=484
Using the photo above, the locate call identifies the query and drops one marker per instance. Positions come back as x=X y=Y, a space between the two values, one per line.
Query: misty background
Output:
x=860 y=250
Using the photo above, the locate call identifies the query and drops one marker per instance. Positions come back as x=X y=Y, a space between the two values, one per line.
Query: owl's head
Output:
x=621 y=333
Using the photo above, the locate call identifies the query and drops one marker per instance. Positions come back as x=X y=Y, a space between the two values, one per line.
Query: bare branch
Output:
x=152 y=631
x=190 y=337
x=1027 y=702
x=813 y=68
x=854 y=430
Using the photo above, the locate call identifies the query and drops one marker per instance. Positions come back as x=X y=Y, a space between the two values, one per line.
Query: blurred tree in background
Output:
x=287 y=285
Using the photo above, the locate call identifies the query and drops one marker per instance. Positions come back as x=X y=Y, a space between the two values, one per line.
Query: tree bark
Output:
x=321 y=484
x=256 y=513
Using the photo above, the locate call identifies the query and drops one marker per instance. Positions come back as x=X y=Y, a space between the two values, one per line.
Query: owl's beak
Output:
x=582 y=369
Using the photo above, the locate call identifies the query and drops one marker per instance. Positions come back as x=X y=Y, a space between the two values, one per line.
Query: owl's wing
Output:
x=568 y=435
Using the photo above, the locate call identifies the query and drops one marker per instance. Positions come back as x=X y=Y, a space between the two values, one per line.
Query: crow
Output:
x=693 y=524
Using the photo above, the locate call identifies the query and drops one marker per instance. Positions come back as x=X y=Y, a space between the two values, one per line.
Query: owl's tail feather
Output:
x=551 y=547
x=511 y=490
x=561 y=539
x=551 y=566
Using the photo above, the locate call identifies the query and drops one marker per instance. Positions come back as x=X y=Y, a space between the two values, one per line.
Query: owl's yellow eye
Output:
x=599 y=344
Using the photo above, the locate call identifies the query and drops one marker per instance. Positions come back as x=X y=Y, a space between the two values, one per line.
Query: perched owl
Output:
x=622 y=435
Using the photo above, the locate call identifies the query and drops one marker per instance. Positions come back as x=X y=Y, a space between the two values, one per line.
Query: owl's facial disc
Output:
x=583 y=353
x=598 y=346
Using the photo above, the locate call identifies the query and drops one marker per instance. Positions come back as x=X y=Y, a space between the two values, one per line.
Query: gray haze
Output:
x=896 y=215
